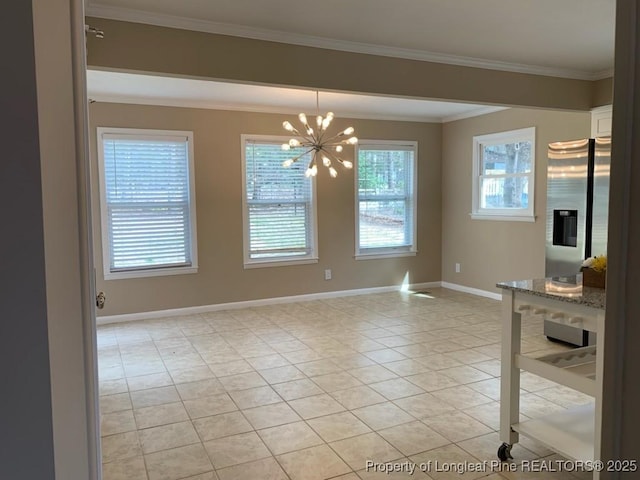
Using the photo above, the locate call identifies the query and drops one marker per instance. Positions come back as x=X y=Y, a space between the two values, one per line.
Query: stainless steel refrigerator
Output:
x=577 y=215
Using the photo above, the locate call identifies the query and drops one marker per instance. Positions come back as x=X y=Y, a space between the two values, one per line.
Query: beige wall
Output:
x=221 y=277
x=602 y=92
x=492 y=251
x=161 y=50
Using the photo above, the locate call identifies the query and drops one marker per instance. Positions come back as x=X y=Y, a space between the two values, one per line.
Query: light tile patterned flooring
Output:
x=312 y=390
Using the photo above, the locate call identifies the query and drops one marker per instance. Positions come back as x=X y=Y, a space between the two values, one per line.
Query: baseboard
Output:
x=130 y=317
x=472 y=291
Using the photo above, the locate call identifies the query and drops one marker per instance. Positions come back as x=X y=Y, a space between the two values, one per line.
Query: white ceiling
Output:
x=567 y=38
x=183 y=92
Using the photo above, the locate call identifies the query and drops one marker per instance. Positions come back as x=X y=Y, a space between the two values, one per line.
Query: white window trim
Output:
x=249 y=262
x=145 y=272
x=503 y=214
x=387 y=252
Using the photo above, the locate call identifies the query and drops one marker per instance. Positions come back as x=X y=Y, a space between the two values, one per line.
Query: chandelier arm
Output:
x=340 y=134
x=294 y=160
x=307 y=143
x=335 y=157
x=335 y=144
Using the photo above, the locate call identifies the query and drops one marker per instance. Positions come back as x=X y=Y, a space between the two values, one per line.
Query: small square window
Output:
x=504 y=175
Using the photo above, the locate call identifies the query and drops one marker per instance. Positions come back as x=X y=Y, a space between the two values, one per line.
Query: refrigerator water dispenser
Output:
x=565 y=228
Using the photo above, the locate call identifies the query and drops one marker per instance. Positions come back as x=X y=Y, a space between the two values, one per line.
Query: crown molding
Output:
x=474 y=113
x=185 y=23
x=602 y=74
x=212 y=105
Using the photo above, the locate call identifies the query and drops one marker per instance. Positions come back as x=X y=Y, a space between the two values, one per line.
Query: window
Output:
x=147 y=198
x=386 y=199
x=504 y=175
x=279 y=209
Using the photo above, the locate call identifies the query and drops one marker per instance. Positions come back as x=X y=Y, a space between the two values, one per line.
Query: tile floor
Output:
x=312 y=390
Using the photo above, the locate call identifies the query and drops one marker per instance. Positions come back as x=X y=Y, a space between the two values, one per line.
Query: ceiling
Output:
x=565 y=38
x=183 y=92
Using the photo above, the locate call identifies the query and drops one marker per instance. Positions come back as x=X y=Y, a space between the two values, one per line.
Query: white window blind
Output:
x=279 y=205
x=385 y=199
x=147 y=202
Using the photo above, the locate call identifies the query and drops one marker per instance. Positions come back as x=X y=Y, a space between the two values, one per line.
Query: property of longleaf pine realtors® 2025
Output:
x=484 y=467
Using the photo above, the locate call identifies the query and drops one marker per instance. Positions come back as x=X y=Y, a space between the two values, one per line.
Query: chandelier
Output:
x=324 y=148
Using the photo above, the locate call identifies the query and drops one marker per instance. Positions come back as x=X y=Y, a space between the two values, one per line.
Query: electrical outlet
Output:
x=327 y=274
x=457 y=268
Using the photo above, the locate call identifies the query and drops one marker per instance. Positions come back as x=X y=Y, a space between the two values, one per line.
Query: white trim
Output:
x=503 y=218
x=185 y=23
x=151 y=272
x=130 y=317
x=475 y=113
x=516 y=214
x=211 y=105
x=602 y=74
x=602 y=108
x=471 y=290
x=397 y=250
x=151 y=134
x=377 y=256
x=285 y=262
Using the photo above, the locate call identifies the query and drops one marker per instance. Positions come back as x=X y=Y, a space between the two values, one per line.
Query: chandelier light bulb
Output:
x=287 y=126
x=285 y=146
x=325 y=161
x=347 y=164
x=310 y=131
x=348 y=131
x=333 y=172
x=287 y=163
x=303 y=118
x=325 y=123
x=339 y=148
x=329 y=116
x=352 y=140
x=308 y=173
x=314 y=170
x=294 y=142
x=319 y=121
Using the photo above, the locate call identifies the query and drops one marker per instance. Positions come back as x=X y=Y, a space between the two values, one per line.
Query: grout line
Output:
x=291 y=330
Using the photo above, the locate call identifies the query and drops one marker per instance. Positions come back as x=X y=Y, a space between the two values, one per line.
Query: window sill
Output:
x=380 y=255
x=280 y=263
x=503 y=218
x=156 y=272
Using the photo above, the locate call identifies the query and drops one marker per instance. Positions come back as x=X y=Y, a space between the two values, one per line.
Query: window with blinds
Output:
x=147 y=200
x=279 y=206
x=386 y=200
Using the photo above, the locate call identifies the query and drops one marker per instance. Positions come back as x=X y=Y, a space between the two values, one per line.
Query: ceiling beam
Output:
x=150 y=49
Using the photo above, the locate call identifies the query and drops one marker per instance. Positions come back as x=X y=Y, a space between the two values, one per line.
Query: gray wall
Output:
x=26 y=441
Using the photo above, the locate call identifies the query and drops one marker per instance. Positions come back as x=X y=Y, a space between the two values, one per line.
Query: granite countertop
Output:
x=567 y=289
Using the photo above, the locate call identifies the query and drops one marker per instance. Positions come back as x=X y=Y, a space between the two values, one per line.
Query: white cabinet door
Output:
x=601 y=121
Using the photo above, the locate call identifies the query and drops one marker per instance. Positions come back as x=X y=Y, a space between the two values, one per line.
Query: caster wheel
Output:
x=504 y=452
